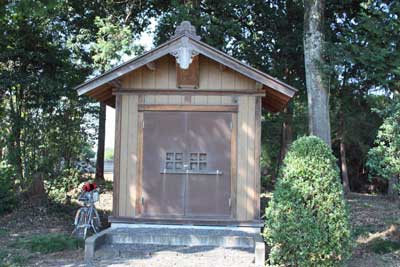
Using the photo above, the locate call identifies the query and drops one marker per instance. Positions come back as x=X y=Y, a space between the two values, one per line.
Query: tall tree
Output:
x=101 y=142
x=42 y=117
x=44 y=125
x=114 y=39
x=317 y=91
x=362 y=57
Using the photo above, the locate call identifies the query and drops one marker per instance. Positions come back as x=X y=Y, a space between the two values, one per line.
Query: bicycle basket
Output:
x=84 y=197
x=95 y=195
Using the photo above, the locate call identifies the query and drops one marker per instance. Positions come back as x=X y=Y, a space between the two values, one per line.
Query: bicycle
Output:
x=87 y=216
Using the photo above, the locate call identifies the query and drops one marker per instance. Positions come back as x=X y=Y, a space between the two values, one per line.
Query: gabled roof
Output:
x=277 y=92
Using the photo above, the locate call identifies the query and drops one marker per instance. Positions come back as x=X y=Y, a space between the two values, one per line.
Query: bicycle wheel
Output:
x=81 y=223
x=96 y=223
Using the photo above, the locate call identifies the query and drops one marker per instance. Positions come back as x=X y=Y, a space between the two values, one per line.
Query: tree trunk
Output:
x=286 y=136
x=101 y=142
x=392 y=184
x=342 y=146
x=317 y=92
x=343 y=167
x=15 y=144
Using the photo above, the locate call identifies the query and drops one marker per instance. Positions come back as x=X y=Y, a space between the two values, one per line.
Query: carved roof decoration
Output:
x=186 y=28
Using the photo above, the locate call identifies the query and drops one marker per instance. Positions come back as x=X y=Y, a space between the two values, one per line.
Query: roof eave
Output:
x=252 y=73
x=202 y=48
x=125 y=67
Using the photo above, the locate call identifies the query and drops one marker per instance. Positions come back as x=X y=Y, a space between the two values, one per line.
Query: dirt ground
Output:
x=375 y=221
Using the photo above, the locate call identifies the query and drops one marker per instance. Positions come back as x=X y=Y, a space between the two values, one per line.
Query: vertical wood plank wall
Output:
x=127 y=153
x=247 y=195
x=212 y=77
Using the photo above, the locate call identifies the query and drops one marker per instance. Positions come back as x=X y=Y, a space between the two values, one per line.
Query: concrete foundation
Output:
x=122 y=239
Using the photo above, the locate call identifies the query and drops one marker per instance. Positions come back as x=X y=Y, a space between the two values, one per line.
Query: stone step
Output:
x=148 y=251
x=182 y=237
x=182 y=243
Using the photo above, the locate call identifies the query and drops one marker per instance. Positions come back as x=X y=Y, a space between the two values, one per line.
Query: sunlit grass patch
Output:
x=363 y=231
x=49 y=243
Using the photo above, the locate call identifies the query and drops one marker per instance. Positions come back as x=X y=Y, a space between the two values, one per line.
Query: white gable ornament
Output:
x=184 y=53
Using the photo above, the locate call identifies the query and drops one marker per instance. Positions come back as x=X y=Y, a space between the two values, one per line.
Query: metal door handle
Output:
x=187 y=171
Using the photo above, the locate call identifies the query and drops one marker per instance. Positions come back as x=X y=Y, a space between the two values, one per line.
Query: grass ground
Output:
x=38 y=235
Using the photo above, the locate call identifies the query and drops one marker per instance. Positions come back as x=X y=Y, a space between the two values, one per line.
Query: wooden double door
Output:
x=186 y=164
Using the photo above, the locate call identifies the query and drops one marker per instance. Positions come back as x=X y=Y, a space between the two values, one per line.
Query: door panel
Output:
x=209 y=135
x=163 y=194
x=186 y=164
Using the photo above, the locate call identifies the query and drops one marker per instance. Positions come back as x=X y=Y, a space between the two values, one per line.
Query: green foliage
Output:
x=7 y=194
x=46 y=50
x=307 y=221
x=68 y=179
x=361 y=40
x=48 y=243
x=382 y=246
x=45 y=126
x=113 y=40
x=108 y=185
x=109 y=154
x=384 y=158
x=375 y=50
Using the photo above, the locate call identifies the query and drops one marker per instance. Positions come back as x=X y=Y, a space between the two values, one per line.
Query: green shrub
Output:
x=7 y=194
x=307 y=220
x=384 y=157
x=49 y=243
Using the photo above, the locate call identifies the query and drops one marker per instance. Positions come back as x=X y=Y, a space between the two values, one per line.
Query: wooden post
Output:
x=117 y=151
x=257 y=156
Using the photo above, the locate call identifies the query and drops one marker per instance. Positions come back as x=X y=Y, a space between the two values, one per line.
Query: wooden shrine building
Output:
x=188 y=133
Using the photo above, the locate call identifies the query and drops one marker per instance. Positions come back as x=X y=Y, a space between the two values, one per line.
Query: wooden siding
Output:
x=257 y=153
x=128 y=151
x=213 y=76
x=247 y=167
x=188 y=78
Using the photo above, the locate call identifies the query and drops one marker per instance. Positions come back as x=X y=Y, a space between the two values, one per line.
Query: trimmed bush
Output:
x=306 y=223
